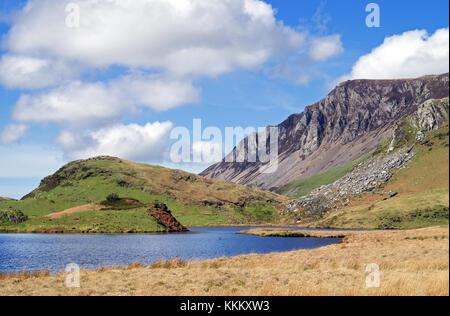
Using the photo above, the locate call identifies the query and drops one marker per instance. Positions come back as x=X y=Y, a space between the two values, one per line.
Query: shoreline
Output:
x=76 y=232
x=290 y=233
x=63 y=231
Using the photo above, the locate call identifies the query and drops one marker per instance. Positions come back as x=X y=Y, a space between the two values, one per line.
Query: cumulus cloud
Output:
x=133 y=141
x=155 y=92
x=25 y=72
x=75 y=103
x=12 y=133
x=411 y=54
x=326 y=47
x=160 y=48
x=184 y=37
x=89 y=104
x=175 y=41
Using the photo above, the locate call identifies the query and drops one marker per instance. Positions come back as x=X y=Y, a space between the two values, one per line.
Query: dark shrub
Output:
x=12 y=216
x=113 y=197
x=122 y=183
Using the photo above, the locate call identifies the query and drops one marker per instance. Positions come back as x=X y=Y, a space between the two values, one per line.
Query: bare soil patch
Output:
x=74 y=210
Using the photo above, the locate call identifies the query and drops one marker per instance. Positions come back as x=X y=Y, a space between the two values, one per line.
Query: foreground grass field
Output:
x=412 y=262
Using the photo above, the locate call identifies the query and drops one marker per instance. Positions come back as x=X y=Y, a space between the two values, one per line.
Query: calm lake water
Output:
x=54 y=252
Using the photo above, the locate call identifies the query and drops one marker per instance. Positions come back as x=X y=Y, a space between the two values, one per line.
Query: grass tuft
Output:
x=169 y=264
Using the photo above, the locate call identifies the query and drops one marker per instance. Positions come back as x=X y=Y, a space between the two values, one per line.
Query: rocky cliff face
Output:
x=429 y=116
x=349 y=123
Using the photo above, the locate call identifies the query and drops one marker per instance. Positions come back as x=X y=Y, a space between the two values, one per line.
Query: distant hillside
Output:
x=82 y=186
x=2 y=199
x=340 y=129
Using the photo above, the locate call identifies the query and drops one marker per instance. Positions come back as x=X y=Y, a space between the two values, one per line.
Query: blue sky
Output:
x=253 y=92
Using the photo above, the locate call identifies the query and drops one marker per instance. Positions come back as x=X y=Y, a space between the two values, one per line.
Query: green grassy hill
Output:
x=193 y=200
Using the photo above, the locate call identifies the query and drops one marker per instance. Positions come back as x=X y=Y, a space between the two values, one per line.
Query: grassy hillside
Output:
x=128 y=221
x=423 y=192
x=194 y=201
x=303 y=187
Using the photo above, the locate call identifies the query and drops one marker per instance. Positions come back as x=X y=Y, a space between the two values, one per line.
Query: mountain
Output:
x=340 y=129
x=78 y=198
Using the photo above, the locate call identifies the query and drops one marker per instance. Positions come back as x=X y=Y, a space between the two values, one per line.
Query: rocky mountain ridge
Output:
x=349 y=123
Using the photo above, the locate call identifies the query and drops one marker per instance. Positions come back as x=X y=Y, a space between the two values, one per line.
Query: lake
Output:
x=22 y=252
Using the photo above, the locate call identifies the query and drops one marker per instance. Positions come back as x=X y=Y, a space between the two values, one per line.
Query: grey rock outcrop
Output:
x=429 y=116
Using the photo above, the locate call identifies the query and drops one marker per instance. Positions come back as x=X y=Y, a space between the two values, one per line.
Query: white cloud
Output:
x=154 y=92
x=76 y=103
x=183 y=37
x=133 y=141
x=411 y=54
x=163 y=46
x=323 y=48
x=12 y=133
x=174 y=40
x=32 y=73
x=88 y=104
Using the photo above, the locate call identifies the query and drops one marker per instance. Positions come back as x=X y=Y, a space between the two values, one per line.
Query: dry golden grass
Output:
x=428 y=171
x=24 y=275
x=413 y=262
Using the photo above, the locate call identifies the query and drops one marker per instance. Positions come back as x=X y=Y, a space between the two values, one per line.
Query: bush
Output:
x=113 y=197
x=12 y=216
x=122 y=183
